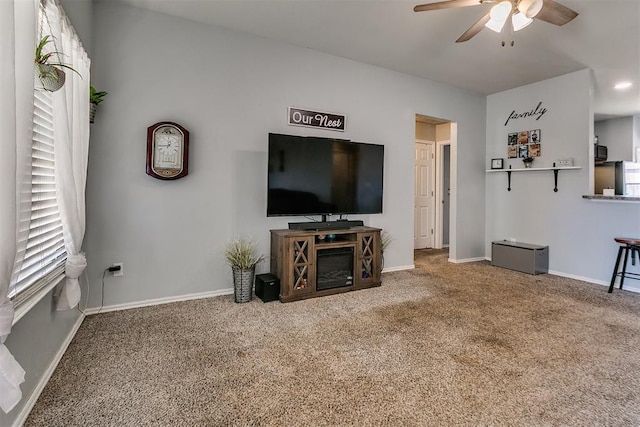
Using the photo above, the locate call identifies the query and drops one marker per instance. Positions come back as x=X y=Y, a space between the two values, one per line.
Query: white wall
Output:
x=618 y=136
x=229 y=90
x=579 y=232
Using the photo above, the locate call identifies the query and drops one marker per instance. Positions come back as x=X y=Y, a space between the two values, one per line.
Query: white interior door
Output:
x=424 y=204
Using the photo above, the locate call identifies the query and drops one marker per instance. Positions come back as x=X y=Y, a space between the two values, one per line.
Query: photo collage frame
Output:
x=524 y=144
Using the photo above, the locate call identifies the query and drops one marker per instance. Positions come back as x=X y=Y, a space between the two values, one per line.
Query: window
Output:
x=44 y=253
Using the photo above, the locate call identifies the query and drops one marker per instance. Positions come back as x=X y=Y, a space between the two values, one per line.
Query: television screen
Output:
x=321 y=176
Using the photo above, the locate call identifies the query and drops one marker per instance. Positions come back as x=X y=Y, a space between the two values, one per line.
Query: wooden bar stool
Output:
x=629 y=245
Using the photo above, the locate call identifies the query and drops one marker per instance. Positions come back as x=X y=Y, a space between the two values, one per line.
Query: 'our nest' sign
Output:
x=316 y=119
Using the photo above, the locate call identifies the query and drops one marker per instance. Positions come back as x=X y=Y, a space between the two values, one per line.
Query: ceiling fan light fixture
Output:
x=520 y=21
x=530 y=8
x=501 y=11
x=499 y=14
x=494 y=25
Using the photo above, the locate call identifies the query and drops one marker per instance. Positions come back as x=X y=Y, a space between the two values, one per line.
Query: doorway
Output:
x=433 y=182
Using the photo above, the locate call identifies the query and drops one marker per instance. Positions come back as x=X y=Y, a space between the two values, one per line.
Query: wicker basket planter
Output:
x=92 y=112
x=50 y=78
x=242 y=256
x=243 y=284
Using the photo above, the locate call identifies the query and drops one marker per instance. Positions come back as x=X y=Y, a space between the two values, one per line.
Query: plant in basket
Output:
x=242 y=255
x=48 y=71
x=95 y=98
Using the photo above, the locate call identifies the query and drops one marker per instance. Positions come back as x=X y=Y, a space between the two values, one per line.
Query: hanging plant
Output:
x=95 y=98
x=50 y=74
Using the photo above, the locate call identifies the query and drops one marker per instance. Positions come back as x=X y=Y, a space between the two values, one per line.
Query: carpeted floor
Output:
x=445 y=344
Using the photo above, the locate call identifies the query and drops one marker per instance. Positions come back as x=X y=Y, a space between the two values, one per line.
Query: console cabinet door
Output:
x=301 y=271
x=369 y=261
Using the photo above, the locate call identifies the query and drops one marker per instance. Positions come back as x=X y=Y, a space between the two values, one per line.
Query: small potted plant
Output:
x=528 y=161
x=50 y=74
x=241 y=254
x=385 y=241
x=95 y=98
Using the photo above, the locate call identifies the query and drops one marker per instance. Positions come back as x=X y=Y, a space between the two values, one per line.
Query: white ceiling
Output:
x=604 y=37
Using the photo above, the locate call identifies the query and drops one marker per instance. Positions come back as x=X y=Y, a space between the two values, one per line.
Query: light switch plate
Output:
x=564 y=162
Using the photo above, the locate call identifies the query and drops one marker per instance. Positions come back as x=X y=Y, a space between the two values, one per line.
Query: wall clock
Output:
x=167 y=151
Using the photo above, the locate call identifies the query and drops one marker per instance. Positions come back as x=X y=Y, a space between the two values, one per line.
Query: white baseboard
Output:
x=594 y=281
x=26 y=409
x=399 y=268
x=465 y=260
x=158 y=301
x=582 y=278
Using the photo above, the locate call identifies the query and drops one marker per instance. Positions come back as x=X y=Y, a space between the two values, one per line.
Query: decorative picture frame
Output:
x=535 y=136
x=523 y=151
x=534 y=150
x=523 y=137
x=497 y=163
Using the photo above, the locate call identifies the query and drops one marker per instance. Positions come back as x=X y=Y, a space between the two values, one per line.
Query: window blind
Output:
x=44 y=253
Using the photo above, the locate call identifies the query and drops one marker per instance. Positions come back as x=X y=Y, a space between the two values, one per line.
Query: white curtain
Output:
x=71 y=147
x=17 y=41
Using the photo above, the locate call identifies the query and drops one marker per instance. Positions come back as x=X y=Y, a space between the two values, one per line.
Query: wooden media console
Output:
x=314 y=263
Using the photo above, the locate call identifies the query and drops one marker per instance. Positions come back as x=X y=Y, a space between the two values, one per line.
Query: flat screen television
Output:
x=323 y=176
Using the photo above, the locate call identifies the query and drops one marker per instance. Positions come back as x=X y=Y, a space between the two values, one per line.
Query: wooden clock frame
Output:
x=185 y=151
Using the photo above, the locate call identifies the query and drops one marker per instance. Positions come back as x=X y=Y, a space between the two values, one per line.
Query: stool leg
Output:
x=624 y=266
x=615 y=270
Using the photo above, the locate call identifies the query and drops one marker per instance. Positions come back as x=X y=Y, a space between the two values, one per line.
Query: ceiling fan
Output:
x=519 y=14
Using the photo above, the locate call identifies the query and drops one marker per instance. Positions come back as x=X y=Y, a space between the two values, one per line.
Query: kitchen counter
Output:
x=612 y=198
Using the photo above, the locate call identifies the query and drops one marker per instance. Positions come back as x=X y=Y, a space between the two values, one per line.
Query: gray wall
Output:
x=618 y=136
x=579 y=232
x=35 y=341
x=229 y=90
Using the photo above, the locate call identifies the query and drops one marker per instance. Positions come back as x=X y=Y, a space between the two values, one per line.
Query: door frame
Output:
x=440 y=192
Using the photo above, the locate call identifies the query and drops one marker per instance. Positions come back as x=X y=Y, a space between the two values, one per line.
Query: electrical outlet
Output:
x=121 y=272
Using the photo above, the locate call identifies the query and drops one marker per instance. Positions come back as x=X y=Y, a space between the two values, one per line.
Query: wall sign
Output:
x=316 y=119
x=536 y=112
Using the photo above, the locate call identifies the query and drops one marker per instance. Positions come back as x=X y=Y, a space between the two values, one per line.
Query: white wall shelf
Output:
x=554 y=169
x=561 y=168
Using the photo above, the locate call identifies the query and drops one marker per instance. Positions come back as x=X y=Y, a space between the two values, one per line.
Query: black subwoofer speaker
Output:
x=267 y=287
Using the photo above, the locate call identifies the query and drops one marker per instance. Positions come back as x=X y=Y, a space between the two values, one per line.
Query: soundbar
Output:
x=325 y=225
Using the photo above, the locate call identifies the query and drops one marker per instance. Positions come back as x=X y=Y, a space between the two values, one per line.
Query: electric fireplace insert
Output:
x=334 y=268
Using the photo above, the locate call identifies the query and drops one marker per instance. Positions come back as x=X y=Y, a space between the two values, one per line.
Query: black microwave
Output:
x=599 y=153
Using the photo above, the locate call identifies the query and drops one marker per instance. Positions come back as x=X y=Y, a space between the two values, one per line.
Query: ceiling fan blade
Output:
x=447 y=4
x=555 y=13
x=474 y=29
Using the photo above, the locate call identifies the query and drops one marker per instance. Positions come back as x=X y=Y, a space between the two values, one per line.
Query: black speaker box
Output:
x=267 y=287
